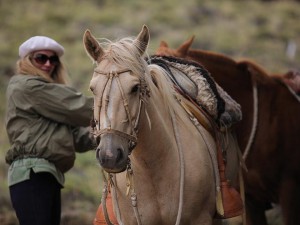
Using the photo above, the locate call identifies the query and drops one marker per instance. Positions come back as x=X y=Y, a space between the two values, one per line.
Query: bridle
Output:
x=144 y=91
x=131 y=137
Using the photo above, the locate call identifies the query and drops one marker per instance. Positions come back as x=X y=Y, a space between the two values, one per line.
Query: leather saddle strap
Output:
x=192 y=109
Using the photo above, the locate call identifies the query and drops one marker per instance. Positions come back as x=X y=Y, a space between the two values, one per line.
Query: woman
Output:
x=46 y=122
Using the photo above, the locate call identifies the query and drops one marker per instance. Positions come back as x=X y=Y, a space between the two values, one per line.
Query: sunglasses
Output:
x=42 y=59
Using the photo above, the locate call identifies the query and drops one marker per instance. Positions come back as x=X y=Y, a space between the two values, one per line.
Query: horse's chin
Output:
x=115 y=170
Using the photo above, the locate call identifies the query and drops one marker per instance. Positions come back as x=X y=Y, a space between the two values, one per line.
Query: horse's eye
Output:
x=135 y=88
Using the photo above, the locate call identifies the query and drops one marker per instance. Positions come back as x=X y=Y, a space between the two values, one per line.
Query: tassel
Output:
x=219 y=202
x=228 y=197
x=100 y=215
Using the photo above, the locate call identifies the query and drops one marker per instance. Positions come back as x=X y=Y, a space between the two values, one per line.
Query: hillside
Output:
x=261 y=31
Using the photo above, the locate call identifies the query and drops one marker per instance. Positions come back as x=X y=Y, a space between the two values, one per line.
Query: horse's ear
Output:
x=92 y=46
x=142 y=40
x=163 y=44
x=184 y=48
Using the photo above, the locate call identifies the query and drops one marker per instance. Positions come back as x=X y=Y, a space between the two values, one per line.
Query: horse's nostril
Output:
x=119 y=155
x=97 y=154
x=98 y=140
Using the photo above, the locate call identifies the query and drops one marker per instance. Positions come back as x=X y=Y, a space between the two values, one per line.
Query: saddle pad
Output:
x=208 y=94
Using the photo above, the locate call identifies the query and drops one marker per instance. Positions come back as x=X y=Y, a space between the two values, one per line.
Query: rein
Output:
x=250 y=141
x=182 y=168
x=255 y=119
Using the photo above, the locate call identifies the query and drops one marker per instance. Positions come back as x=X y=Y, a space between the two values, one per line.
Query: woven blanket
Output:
x=195 y=81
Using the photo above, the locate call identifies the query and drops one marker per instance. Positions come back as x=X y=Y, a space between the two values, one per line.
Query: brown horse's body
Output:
x=273 y=174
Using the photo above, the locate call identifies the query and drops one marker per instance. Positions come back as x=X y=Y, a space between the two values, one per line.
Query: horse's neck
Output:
x=156 y=143
x=222 y=68
x=211 y=59
x=156 y=157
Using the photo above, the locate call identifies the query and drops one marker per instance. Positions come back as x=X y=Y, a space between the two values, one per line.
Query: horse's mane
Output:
x=211 y=56
x=165 y=86
x=223 y=59
x=126 y=54
x=254 y=66
x=226 y=60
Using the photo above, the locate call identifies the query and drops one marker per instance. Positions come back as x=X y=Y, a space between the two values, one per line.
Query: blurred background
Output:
x=267 y=32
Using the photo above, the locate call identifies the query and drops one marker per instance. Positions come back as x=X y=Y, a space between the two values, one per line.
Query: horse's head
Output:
x=119 y=89
x=180 y=52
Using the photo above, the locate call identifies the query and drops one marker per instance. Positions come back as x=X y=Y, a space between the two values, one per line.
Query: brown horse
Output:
x=268 y=133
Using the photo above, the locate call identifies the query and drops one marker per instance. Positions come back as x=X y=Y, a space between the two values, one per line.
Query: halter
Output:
x=132 y=137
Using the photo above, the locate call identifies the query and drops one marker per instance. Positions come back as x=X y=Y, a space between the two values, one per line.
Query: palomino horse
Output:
x=160 y=163
x=268 y=133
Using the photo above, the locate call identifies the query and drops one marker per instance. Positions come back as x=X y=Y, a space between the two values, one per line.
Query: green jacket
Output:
x=46 y=123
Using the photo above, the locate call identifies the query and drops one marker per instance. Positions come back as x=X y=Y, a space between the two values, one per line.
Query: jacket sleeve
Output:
x=83 y=139
x=59 y=103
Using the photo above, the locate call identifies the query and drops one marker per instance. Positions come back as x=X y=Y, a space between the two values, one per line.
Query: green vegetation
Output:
x=241 y=29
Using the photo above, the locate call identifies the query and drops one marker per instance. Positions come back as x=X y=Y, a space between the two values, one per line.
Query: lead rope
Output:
x=181 y=160
x=116 y=204
x=213 y=157
x=249 y=144
x=211 y=151
x=133 y=195
x=255 y=117
x=104 y=196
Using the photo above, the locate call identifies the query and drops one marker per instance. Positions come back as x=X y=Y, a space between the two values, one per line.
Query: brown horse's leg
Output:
x=255 y=212
x=290 y=201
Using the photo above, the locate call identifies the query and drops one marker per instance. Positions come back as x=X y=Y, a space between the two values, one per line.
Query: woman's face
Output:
x=45 y=60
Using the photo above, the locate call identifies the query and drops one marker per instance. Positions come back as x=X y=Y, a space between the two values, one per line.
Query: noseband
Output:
x=132 y=137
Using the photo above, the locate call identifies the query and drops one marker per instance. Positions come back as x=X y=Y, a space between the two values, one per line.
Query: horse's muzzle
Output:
x=112 y=153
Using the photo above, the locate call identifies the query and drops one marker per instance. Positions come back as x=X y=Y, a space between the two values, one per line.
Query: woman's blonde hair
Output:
x=24 y=66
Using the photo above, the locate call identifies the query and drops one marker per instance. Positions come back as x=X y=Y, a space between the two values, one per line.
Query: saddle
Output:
x=193 y=80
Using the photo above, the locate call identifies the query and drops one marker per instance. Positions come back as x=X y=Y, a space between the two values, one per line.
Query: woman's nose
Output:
x=47 y=63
